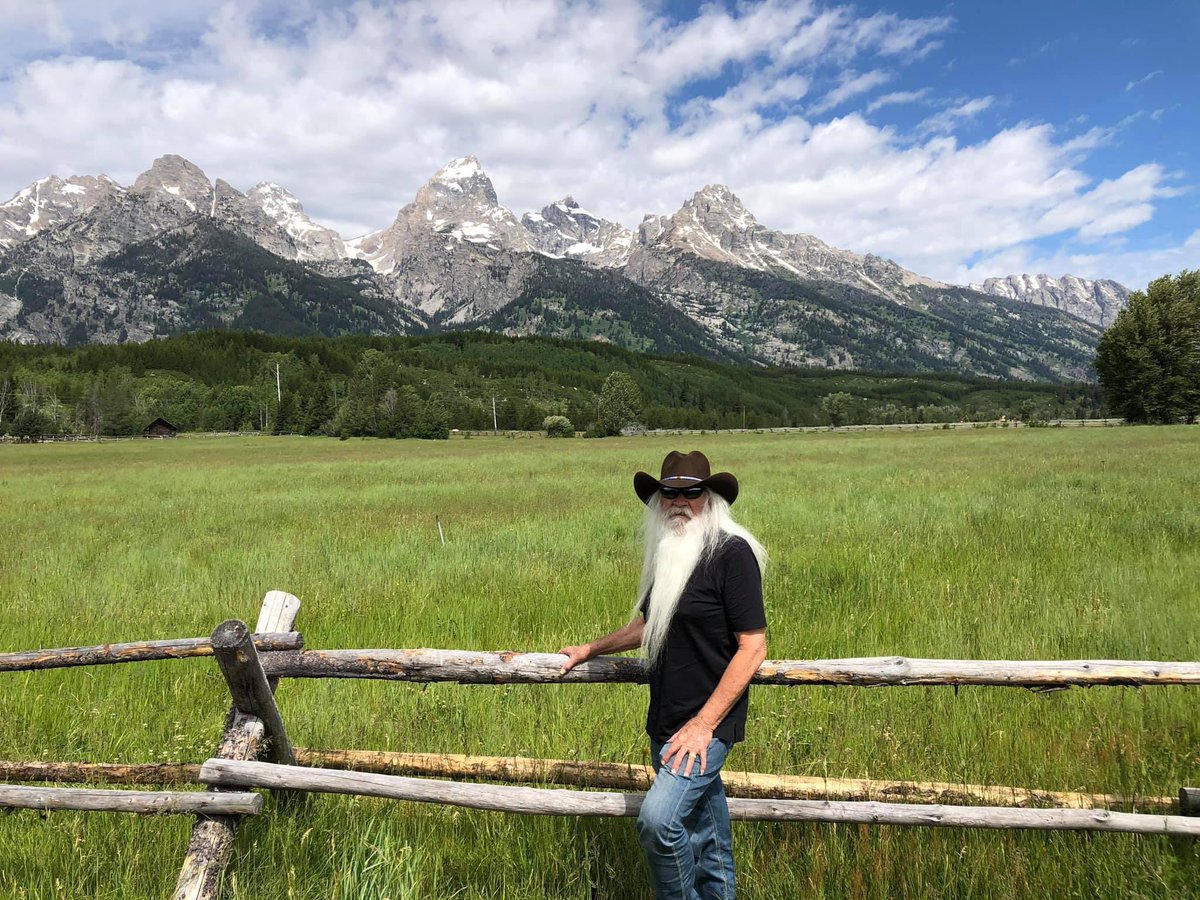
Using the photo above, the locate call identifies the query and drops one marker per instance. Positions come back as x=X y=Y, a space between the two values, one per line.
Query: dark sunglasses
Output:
x=689 y=493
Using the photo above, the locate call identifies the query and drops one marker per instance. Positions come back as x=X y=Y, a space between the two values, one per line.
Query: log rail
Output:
x=469 y=667
x=139 y=651
x=595 y=774
x=551 y=802
x=109 y=800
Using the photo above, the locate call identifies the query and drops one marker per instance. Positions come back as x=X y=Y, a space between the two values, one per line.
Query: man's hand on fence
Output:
x=575 y=654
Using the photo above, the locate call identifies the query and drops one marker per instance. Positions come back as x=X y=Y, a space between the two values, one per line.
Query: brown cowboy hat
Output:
x=683 y=470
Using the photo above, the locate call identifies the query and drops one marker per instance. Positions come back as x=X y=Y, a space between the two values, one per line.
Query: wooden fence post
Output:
x=248 y=686
x=212 y=836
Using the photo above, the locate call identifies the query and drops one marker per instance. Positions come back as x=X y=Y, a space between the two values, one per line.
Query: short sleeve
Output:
x=742 y=588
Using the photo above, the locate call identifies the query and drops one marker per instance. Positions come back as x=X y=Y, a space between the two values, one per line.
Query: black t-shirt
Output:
x=723 y=597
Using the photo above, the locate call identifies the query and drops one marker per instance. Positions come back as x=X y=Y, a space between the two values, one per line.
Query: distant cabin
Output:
x=160 y=428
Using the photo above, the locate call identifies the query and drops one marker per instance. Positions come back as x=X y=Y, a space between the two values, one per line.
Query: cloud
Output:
x=850 y=85
x=894 y=36
x=897 y=97
x=1140 y=81
x=949 y=119
x=354 y=105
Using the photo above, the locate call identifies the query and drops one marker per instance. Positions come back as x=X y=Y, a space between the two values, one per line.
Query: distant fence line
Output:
x=813 y=429
x=255 y=728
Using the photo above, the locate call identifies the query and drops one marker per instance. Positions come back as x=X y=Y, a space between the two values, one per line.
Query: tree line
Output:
x=425 y=386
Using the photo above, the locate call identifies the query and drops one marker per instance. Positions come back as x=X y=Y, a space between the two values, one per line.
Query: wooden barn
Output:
x=160 y=428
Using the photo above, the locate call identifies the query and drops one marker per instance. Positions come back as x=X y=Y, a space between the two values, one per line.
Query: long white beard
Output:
x=672 y=554
x=675 y=558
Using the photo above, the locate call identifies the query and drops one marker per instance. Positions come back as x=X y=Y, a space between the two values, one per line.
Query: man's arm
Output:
x=625 y=638
x=697 y=733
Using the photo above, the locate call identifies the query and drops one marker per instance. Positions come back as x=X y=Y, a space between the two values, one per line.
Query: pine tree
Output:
x=1149 y=359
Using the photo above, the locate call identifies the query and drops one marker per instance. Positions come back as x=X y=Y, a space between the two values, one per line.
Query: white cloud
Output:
x=851 y=85
x=897 y=97
x=1140 y=81
x=949 y=119
x=355 y=105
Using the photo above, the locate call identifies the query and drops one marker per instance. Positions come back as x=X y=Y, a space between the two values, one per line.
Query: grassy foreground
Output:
x=975 y=544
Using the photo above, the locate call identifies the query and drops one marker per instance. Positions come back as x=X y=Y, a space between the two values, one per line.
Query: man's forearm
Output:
x=733 y=683
x=625 y=638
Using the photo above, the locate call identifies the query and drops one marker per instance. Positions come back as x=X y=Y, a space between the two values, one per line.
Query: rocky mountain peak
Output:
x=565 y=228
x=718 y=210
x=177 y=178
x=461 y=180
x=1097 y=302
x=456 y=209
x=713 y=224
x=312 y=241
x=49 y=201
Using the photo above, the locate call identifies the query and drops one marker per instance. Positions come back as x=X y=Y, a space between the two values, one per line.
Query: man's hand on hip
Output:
x=687 y=744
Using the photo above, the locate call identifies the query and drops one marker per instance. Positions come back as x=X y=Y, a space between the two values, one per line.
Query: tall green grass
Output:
x=980 y=544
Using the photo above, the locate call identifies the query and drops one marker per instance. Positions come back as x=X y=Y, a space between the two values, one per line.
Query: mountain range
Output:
x=85 y=259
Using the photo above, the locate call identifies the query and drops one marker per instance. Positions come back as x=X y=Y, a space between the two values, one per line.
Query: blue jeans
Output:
x=684 y=829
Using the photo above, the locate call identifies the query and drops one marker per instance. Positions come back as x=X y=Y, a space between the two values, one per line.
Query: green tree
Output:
x=837 y=407
x=434 y=421
x=558 y=426
x=401 y=410
x=1149 y=359
x=114 y=402
x=29 y=424
x=620 y=403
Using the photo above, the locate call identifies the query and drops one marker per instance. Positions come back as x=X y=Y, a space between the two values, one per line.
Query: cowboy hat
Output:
x=684 y=470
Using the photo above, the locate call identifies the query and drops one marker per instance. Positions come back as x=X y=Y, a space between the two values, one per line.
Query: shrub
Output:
x=558 y=427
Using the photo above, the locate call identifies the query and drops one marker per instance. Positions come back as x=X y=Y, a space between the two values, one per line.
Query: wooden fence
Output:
x=256 y=750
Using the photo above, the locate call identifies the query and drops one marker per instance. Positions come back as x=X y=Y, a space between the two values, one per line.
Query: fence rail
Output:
x=598 y=774
x=109 y=800
x=138 y=651
x=469 y=667
x=550 y=802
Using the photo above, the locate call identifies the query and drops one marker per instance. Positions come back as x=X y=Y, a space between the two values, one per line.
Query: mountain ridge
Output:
x=454 y=258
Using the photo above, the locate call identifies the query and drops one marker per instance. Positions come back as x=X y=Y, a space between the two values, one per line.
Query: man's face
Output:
x=679 y=510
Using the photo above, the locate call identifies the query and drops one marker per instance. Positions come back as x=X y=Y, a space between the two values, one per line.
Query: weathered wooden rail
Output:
x=593 y=774
x=108 y=800
x=255 y=729
x=467 y=667
x=141 y=651
x=551 y=802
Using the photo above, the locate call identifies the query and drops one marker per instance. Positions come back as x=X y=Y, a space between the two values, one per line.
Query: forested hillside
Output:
x=424 y=386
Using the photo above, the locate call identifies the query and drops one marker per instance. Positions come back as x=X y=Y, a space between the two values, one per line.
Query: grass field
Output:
x=973 y=544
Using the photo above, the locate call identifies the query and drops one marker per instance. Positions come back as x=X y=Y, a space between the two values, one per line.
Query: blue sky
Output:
x=961 y=139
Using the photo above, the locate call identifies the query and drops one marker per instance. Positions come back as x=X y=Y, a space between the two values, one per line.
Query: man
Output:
x=701 y=624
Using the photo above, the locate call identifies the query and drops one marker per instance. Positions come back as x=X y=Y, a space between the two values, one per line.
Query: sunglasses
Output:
x=688 y=493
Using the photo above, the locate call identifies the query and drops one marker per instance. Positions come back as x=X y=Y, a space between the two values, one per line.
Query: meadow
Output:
x=1031 y=543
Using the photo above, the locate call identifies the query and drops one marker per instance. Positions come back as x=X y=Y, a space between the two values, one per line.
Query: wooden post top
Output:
x=230 y=634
